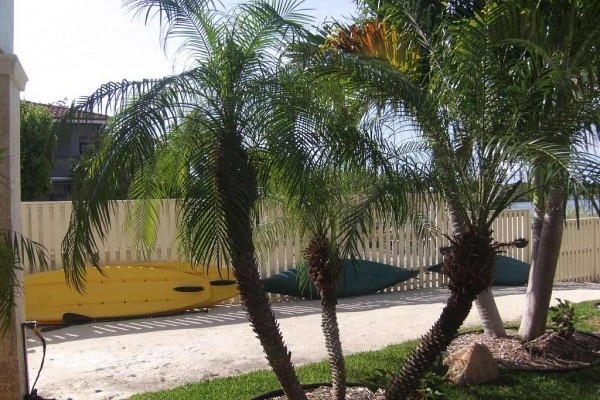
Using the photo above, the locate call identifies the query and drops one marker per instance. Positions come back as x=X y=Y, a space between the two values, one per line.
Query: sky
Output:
x=68 y=48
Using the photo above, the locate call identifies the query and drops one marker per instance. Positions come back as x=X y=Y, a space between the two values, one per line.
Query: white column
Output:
x=12 y=81
x=6 y=26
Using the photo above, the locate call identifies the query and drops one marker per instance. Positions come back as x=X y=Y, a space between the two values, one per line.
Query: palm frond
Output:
x=267 y=25
x=190 y=21
x=15 y=252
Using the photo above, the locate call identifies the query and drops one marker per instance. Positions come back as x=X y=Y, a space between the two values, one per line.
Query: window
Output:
x=85 y=144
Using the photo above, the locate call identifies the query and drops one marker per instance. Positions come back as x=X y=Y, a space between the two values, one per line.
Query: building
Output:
x=71 y=143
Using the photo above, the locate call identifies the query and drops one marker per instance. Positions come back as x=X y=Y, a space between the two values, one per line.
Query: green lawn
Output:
x=577 y=385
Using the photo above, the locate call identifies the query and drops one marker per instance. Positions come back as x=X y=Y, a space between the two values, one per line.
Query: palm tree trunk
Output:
x=543 y=269
x=458 y=223
x=333 y=344
x=258 y=307
x=236 y=180
x=489 y=315
x=536 y=232
x=490 y=318
x=432 y=345
x=265 y=326
x=324 y=268
x=469 y=264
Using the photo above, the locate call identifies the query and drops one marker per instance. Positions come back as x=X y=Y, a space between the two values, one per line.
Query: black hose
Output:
x=32 y=395
x=38 y=333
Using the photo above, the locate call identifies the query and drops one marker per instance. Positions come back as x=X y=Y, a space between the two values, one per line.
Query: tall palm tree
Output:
x=449 y=78
x=556 y=43
x=409 y=48
x=554 y=69
x=219 y=119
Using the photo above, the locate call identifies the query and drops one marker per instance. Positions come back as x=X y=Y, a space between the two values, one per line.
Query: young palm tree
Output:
x=203 y=136
x=339 y=195
x=334 y=216
x=15 y=252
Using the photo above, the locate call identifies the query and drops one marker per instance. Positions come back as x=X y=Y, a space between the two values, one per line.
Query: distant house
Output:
x=71 y=143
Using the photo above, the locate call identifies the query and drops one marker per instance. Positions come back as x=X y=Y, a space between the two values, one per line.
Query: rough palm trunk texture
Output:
x=432 y=345
x=469 y=264
x=333 y=344
x=263 y=322
x=258 y=307
x=487 y=309
x=543 y=269
x=236 y=182
x=323 y=269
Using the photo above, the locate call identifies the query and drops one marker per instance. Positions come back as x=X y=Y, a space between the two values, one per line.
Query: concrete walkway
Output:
x=113 y=360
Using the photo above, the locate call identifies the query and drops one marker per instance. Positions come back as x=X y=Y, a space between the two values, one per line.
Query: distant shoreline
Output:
x=585 y=208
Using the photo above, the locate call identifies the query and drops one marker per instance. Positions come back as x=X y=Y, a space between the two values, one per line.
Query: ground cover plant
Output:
x=517 y=385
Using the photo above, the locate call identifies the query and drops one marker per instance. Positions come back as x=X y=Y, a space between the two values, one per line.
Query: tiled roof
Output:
x=59 y=112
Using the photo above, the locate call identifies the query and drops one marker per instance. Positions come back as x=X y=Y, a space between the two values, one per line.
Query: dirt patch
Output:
x=595 y=321
x=548 y=352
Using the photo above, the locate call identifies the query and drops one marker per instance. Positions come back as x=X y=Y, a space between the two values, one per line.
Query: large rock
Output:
x=473 y=364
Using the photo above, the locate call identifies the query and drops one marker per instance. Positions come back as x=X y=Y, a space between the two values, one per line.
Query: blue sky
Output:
x=70 y=47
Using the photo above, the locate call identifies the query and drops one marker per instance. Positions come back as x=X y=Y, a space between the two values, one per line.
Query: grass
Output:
x=514 y=385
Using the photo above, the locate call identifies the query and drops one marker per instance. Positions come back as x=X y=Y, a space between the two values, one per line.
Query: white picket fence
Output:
x=47 y=222
x=580 y=251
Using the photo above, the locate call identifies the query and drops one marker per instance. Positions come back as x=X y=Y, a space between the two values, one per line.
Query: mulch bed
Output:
x=550 y=352
x=352 y=393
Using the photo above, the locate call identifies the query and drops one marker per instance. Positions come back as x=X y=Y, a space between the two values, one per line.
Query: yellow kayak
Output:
x=221 y=281
x=124 y=291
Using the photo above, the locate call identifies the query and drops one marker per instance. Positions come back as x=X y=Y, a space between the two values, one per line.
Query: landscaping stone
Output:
x=472 y=364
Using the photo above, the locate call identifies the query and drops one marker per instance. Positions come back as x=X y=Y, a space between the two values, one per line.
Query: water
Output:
x=585 y=207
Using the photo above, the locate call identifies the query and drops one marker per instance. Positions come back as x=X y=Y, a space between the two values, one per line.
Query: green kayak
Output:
x=357 y=279
x=509 y=271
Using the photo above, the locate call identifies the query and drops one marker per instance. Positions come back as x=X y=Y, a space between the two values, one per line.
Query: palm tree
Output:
x=408 y=48
x=334 y=214
x=554 y=67
x=16 y=251
x=340 y=194
x=204 y=136
x=557 y=45
x=445 y=72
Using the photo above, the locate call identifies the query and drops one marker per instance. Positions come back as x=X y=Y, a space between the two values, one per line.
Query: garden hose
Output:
x=32 y=395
